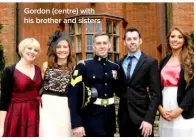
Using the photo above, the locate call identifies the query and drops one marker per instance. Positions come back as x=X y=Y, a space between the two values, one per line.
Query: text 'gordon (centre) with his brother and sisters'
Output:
x=55 y=11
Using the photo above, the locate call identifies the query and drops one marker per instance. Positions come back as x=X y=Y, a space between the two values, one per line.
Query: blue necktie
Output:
x=129 y=67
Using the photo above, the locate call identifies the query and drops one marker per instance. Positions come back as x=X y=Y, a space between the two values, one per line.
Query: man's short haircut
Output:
x=131 y=29
x=99 y=34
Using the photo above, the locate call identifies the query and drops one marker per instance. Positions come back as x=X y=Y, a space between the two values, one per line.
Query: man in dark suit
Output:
x=140 y=89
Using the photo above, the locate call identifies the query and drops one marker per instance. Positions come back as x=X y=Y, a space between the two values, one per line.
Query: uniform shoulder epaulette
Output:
x=83 y=61
x=113 y=63
x=88 y=59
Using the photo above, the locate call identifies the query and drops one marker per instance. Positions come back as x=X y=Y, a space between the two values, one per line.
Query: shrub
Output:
x=2 y=57
x=192 y=37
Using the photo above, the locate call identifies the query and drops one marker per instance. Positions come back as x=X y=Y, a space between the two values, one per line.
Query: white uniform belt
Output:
x=104 y=102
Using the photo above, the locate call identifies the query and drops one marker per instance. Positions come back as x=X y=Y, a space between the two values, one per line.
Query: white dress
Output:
x=54 y=113
x=178 y=127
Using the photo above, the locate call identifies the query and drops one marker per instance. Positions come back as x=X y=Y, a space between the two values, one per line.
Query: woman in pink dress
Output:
x=177 y=99
x=19 y=102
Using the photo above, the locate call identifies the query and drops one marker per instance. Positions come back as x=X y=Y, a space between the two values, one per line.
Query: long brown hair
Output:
x=186 y=54
x=71 y=61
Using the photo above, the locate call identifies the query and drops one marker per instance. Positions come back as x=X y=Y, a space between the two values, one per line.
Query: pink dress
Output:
x=179 y=126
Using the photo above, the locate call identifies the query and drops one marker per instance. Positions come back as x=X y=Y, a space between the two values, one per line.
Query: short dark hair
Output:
x=131 y=29
x=99 y=34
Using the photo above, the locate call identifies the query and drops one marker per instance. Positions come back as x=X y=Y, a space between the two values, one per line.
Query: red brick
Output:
x=149 y=18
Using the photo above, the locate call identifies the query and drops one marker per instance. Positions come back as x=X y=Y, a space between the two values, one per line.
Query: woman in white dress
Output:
x=55 y=113
x=177 y=99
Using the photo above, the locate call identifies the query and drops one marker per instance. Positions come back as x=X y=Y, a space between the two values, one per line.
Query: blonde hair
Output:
x=99 y=34
x=26 y=42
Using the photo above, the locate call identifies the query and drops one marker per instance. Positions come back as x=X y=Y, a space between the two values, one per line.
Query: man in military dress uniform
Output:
x=94 y=115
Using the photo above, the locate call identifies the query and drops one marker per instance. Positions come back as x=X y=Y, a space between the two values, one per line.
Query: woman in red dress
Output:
x=19 y=102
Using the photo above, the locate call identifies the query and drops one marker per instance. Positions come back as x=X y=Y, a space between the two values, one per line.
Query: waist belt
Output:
x=55 y=93
x=32 y=99
x=104 y=102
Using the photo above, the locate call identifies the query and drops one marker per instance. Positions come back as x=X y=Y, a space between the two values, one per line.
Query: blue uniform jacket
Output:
x=101 y=74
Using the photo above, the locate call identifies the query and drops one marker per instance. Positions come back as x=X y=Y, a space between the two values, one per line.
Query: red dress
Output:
x=22 y=119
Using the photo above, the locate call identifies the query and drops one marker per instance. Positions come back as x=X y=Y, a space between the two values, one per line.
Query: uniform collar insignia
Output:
x=100 y=58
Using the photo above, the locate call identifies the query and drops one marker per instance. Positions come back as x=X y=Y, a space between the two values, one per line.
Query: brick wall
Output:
x=182 y=15
x=39 y=31
x=150 y=21
x=8 y=34
x=146 y=20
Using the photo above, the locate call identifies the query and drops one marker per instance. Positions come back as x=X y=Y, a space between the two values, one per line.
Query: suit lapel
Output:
x=141 y=61
x=120 y=62
x=121 y=67
x=181 y=81
x=164 y=62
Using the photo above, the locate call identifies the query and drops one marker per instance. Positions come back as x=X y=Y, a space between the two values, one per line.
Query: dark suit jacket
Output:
x=7 y=83
x=141 y=105
x=185 y=94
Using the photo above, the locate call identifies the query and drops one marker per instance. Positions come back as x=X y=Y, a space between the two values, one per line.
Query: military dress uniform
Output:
x=91 y=96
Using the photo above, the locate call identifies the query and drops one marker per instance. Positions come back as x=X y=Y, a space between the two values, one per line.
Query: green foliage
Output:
x=1 y=27
x=2 y=57
x=192 y=37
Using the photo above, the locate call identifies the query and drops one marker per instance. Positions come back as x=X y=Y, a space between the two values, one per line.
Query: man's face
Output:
x=132 y=41
x=101 y=46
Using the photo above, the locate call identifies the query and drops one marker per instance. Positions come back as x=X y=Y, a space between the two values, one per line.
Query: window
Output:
x=78 y=44
x=116 y=57
x=112 y=28
x=115 y=43
x=108 y=27
x=76 y=39
x=110 y=56
x=78 y=56
x=71 y=29
x=98 y=28
x=91 y=29
x=89 y=55
x=89 y=43
x=82 y=37
x=78 y=29
x=115 y=28
x=72 y=41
